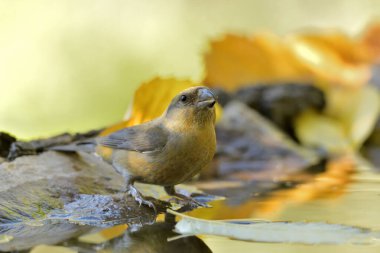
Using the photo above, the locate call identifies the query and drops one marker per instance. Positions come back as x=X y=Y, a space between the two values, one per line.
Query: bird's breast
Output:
x=184 y=155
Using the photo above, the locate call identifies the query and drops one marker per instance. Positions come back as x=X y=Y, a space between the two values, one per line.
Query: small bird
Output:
x=168 y=150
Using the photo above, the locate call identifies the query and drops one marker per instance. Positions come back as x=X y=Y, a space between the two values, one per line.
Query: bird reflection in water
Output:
x=156 y=238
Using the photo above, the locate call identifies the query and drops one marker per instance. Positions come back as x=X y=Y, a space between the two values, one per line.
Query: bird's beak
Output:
x=205 y=98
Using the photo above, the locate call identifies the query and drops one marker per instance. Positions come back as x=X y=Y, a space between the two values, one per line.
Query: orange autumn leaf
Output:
x=334 y=58
x=104 y=235
x=349 y=50
x=371 y=40
x=236 y=61
x=150 y=100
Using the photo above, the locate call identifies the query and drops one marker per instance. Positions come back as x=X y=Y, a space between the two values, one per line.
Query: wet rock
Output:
x=6 y=141
x=34 y=234
x=51 y=197
x=371 y=147
x=248 y=143
x=375 y=75
x=21 y=148
x=55 y=191
x=281 y=103
x=223 y=96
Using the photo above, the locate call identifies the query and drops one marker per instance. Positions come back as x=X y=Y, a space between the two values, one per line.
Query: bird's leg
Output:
x=188 y=200
x=131 y=190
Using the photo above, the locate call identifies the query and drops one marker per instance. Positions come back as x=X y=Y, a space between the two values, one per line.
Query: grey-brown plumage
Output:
x=170 y=149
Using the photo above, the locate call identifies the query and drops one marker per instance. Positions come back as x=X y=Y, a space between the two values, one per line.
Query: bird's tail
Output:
x=88 y=146
x=64 y=142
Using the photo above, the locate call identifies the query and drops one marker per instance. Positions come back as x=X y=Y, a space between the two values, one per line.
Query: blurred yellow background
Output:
x=73 y=65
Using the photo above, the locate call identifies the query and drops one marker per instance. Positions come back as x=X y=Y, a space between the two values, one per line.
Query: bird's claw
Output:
x=188 y=201
x=145 y=202
x=140 y=199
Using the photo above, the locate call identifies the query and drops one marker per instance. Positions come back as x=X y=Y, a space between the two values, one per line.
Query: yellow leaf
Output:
x=364 y=118
x=103 y=235
x=321 y=131
x=151 y=100
x=349 y=119
x=52 y=249
x=356 y=109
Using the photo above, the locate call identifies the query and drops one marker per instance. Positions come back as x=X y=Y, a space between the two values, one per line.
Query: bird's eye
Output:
x=183 y=98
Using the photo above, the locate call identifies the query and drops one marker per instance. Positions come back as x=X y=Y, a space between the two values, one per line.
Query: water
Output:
x=336 y=210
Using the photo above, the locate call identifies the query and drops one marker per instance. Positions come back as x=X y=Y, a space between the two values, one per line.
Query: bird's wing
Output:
x=141 y=138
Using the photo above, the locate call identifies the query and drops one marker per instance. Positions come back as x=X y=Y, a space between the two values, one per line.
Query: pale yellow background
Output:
x=72 y=65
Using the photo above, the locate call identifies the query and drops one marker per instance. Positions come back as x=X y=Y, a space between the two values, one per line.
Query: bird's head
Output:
x=195 y=105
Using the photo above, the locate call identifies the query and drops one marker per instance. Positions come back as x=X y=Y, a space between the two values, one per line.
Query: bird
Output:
x=167 y=150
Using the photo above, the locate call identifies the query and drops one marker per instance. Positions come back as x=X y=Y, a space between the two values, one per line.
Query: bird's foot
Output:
x=140 y=198
x=187 y=201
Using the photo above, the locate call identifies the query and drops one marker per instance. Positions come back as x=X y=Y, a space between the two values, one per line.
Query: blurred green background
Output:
x=73 y=65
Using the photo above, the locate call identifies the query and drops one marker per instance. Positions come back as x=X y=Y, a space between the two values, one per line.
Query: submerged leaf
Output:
x=103 y=235
x=52 y=249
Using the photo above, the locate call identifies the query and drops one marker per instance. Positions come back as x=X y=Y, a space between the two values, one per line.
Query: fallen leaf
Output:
x=371 y=40
x=103 y=235
x=237 y=61
x=333 y=58
x=149 y=102
x=346 y=48
x=151 y=99
x=348 y=120
x=360 y=115
x=320 y=131
x=52 y=249
x=280 y=232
